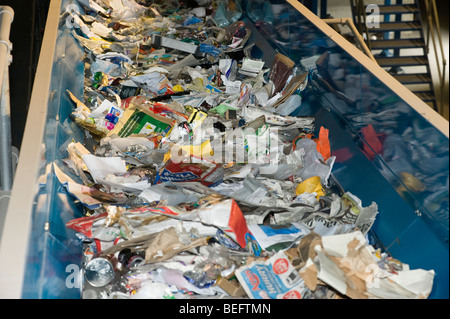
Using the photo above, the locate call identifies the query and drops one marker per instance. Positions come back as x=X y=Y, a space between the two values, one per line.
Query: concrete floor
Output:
x=341 y=9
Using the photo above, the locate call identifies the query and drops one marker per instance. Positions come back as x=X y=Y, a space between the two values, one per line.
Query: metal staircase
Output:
x=395 y=35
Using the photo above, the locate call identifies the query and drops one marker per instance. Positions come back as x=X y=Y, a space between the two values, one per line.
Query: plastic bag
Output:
x=323 y=144
x=374 y=145
x=224 y=15
x=314 y=165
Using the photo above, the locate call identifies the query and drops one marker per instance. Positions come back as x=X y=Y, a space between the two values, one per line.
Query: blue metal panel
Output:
x=53 y=246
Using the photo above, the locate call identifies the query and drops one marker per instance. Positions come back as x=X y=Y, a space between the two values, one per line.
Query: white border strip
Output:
x=404 y=93
x=17 y=227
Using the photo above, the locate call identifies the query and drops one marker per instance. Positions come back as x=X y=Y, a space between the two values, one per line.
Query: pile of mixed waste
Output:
x=195 y=180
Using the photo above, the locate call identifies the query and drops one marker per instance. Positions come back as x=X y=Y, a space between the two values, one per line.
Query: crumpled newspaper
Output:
x=347 y=263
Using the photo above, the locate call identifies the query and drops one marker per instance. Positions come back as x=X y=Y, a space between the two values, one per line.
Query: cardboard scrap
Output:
x=281 y=70
x=346 y=263
x=158 y=246
x=231 y=285
x=295 y=84
x=167 y=244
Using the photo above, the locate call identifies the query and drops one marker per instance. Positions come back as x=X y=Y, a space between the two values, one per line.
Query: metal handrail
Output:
x=362 y=19
x=349 y=22
x=362 y=11
x=6 y=19
x=433 y=21
x=15 y=236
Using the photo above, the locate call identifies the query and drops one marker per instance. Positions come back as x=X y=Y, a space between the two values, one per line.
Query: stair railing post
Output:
x=6 y=178
x=432 y=18
x=349 y=23
x=428 y=13
x=441 y=46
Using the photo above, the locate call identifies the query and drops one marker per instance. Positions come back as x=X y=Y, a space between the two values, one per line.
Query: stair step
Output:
x=402 y=61
x=397 y=44
x=426 y=96
x=398 y=9
x=395 y=9
x=413 y=78
x=398 y=26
